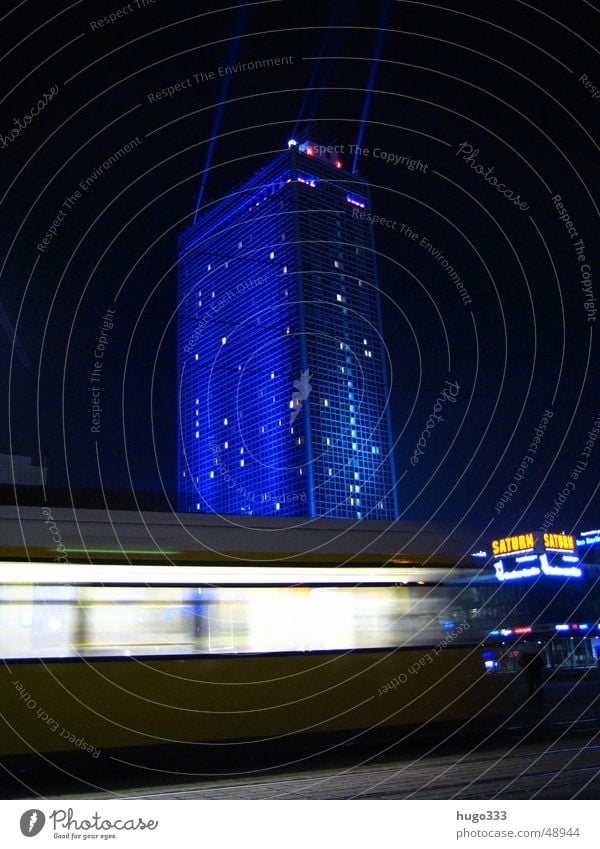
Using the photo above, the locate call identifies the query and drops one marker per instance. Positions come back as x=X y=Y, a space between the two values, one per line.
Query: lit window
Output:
x=272 y=375
x=240 y=244
x=226 y=444
x=272 y=255
x=336 y=263
x=330 y=471
x=223 y=340
x=196 y=356
x=225 y=421
x=326 y=402
x=328 y=441
x=212 y=474
x=354 y=446
x=278 y=506
x=209 y=267
x=241 y=462
x=197 y=434
x=285 y=269
x=338 y=298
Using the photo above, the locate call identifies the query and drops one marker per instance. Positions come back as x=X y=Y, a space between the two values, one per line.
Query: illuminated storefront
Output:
x=536 y=554
x=546 y=596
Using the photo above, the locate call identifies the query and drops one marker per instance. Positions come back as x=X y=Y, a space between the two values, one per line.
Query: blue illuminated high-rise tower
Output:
x=283 y=388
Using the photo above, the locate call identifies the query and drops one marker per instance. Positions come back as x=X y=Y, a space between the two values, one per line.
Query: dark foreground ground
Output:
x=549 y=751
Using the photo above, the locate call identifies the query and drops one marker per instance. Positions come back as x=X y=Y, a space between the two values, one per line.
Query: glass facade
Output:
x=556 y=616
x=283 y=388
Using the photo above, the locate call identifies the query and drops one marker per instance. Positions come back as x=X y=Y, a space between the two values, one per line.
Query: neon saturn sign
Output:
x=533 y=555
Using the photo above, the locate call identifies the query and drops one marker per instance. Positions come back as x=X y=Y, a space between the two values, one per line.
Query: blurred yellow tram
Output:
x=102 y=655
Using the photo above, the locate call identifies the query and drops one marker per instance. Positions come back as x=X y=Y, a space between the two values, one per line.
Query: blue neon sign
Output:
x=515 y=574
x=589 y=540
x=544 y=568
x=560 y=571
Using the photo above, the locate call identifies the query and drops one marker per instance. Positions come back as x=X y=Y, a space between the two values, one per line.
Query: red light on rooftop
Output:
x=338 y=164
x=523 y=630
x=310 y=151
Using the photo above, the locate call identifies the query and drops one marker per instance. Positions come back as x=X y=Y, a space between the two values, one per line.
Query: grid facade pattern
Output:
x=282 y=376
x=352 y=464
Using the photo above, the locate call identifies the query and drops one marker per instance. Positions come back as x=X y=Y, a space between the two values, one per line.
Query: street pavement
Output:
x=544 y=751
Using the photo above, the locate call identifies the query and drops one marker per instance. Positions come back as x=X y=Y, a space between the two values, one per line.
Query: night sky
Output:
x=498 y=101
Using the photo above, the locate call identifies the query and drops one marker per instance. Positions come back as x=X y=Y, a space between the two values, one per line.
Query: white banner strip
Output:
x=351 y=825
